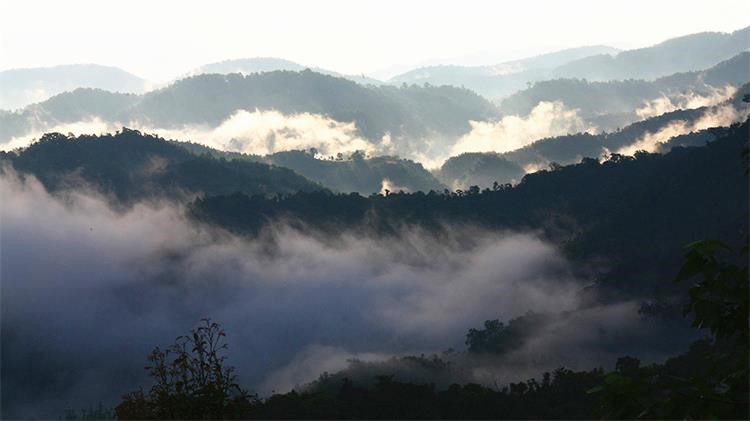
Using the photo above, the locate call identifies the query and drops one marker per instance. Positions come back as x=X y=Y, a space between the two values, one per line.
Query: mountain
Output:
x=614 y=103
x=210 y=99
x=131 y=166
x=499 y=80
x=376 y=110
x=682 y=54
x=270 y=64
x=22 y=87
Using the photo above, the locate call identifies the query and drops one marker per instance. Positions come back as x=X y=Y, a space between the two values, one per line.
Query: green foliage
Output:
x=719 y=301
x=192 y=381
x=708 y=381
x=711 y=380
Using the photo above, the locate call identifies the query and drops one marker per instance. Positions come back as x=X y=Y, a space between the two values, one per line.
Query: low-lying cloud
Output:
x=718 y=116
x=94 y=126
x=546 y=119
x=267 y=132
x=685 y=101
x=88 y=291
x=251 y=132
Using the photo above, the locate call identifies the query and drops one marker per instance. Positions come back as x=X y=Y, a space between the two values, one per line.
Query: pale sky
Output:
x=160 y=40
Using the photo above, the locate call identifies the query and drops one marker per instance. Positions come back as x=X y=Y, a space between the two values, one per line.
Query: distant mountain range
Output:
x=682 y=54
x=21 y=87
x=597 y=63
x=498 y=80
x=409 y=111
x=270 y=64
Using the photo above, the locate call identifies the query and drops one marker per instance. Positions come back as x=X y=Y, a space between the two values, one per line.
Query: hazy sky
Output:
x=159 y=40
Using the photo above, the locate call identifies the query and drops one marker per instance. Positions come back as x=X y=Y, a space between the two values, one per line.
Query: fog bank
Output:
x=88 y=291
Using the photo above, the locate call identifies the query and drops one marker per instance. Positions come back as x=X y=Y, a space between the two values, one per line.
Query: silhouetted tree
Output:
x=192 y=381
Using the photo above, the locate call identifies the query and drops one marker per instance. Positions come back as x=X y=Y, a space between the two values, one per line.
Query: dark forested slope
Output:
x=130 y=166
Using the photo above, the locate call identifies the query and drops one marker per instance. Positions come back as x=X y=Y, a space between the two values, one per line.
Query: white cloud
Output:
x=546 y=119
x=256 y=132
x=266 y=132
x=665 y=104
x=87 y=126
x=712 y=117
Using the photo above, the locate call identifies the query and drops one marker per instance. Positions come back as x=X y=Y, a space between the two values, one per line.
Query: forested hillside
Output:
x=132 y=166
